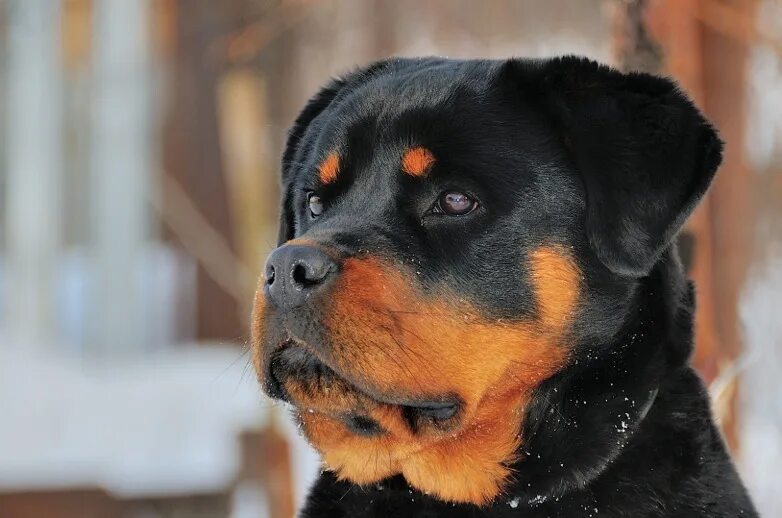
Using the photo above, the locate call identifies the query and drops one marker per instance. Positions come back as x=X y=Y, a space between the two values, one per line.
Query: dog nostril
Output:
x=299 y=275
x=270 y=275
x=306 y=275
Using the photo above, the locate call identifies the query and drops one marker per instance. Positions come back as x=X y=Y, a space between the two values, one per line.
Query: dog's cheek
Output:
x=386 y=334
x=389 y=338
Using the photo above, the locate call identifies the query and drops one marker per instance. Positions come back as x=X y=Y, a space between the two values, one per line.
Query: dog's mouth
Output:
x=296 y=375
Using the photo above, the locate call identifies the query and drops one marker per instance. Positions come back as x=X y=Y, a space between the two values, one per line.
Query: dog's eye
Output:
x=315 y=204
x=455 y=203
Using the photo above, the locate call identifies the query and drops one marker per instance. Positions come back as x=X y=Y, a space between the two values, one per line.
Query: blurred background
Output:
x=139 y=150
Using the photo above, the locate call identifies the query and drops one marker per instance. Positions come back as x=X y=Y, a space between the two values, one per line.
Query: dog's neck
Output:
x=582 y=419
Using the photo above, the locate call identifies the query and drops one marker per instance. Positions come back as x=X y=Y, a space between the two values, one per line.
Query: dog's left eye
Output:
x=315 y=204
x=455 y=203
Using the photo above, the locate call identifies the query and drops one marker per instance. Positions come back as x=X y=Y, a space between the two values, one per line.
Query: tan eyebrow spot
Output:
x=329 y=169
x=417 y=161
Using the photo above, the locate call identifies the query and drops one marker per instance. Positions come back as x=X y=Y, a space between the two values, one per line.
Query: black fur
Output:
x=564 y=151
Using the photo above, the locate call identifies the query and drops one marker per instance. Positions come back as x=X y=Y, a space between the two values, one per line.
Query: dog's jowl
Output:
x=476 y=307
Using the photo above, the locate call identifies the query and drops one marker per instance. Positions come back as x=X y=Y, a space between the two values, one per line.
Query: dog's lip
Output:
x=273 y=385
x=438 y=409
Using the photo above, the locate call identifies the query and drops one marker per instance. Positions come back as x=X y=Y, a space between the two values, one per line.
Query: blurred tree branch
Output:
x=201 y=240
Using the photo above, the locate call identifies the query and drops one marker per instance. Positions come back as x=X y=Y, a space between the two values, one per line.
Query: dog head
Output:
x=452 y=233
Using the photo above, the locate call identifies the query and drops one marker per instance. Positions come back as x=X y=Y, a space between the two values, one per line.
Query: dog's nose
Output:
x=294 y=272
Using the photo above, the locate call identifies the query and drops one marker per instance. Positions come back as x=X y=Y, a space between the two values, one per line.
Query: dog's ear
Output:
x=645 y=153
x=292 y=154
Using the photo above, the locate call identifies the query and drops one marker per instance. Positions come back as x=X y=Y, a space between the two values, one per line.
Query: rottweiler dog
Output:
x=477 y=307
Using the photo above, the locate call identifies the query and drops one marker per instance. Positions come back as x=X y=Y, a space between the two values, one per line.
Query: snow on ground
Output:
x=760 y=388
x=165 y=423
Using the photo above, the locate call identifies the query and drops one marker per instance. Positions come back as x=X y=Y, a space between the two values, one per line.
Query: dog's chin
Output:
x=299 y=377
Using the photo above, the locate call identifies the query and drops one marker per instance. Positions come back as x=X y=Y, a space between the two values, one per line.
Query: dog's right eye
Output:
x=455 y=203
x=315 y=204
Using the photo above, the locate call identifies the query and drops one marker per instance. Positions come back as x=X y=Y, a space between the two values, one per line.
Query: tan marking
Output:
x=557 y=283
x=417 y=161
x=329 y=169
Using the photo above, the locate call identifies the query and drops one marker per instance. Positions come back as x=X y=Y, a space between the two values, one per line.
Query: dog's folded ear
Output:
x=645 y=153
x=293 y=152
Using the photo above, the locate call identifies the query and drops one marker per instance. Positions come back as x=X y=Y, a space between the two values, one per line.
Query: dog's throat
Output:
x=470 y=465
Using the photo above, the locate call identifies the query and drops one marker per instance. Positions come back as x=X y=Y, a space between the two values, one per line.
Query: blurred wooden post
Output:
x=120 y=172
x=710 y=64
x=192 y=154
x=249 y=172
x=267 y=462
x=675 y=25
x=725 y=60
x=32 y=203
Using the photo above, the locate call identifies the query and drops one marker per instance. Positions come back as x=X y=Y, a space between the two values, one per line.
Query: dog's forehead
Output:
x=389 y=95
x=395 y=109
